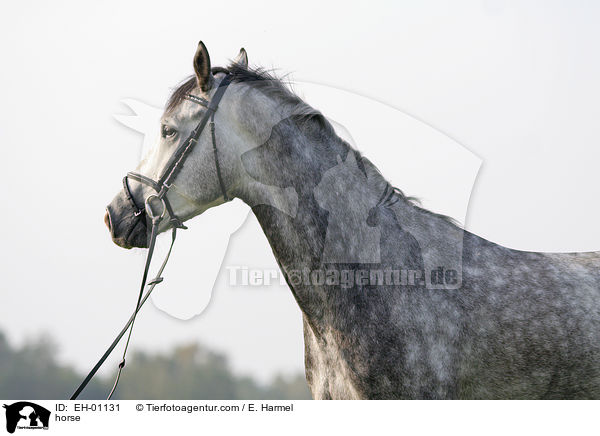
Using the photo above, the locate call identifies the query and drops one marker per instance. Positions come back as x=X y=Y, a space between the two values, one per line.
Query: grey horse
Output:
x=397 y=302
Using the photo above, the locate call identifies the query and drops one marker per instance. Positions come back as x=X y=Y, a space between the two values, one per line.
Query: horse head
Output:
x=208 y=173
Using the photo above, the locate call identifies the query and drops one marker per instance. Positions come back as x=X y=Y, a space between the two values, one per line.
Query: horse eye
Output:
x=168 y=132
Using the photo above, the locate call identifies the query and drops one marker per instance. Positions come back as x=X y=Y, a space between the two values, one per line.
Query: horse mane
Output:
x=280 y=88
x=265 y=81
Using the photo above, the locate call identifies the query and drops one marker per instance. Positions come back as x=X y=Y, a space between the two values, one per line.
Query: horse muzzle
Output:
x=127 y=229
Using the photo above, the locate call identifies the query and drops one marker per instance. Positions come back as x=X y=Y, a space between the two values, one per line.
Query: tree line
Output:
x=188 y=372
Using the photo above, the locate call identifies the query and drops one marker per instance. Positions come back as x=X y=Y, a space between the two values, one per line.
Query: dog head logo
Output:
x=26 y=415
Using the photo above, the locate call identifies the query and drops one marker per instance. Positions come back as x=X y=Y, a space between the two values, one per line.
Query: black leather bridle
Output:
x=156 y=205
x=173 y=166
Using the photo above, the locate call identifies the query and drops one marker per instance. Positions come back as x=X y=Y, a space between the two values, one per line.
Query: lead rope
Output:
x=140 y=302
x=137 y=306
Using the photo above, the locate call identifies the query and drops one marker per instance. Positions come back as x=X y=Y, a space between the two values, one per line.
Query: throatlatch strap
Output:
x=214 y=142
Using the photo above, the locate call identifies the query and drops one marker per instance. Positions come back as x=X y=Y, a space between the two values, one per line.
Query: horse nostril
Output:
x=107 y=221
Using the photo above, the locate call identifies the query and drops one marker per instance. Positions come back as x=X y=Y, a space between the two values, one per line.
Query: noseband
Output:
x=159 y=198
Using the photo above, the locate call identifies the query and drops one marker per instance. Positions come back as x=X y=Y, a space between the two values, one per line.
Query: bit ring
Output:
x=150 y=211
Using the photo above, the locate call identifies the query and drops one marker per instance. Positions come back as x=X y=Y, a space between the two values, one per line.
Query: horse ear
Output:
x=241 y=58
x=202 y=68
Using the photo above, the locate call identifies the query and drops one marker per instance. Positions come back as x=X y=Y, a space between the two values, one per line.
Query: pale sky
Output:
x=516 y=83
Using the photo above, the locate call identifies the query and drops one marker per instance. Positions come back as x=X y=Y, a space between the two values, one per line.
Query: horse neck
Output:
x=312 y=195
x=304 y=179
